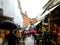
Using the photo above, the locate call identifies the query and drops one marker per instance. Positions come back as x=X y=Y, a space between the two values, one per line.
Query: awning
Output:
x=37 y=23
x=48 y=11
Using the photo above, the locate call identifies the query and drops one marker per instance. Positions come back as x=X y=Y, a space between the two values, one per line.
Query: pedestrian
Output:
x=46 y=37
x=11 y=38
x=2 y=34
x=29 y=40
x=17 y=33
x=38 y=35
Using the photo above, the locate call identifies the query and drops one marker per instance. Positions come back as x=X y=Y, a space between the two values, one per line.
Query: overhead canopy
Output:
x=48 y=11
x=37 y=23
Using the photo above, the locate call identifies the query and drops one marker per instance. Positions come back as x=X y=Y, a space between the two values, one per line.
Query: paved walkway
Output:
x=53 y=43
x=22 y=42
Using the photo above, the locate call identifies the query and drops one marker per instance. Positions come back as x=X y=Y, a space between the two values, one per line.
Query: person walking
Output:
x=29 y=40
x=11 y=38
x=46 y=37
x=38 y=35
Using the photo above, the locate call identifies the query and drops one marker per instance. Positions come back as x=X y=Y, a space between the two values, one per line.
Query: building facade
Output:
x=11 y=10
x=53 y=18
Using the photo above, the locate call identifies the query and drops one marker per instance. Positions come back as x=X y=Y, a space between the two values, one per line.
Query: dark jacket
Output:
x=11 y=39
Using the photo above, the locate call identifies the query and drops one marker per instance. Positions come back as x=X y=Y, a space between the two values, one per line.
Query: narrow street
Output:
x=29 y=22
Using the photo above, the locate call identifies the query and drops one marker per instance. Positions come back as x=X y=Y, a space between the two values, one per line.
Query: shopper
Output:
x=29 y=40
x=46 y=37
x=11 y=38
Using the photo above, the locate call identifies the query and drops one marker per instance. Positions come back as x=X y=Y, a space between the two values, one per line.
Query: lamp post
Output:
x=49 y=20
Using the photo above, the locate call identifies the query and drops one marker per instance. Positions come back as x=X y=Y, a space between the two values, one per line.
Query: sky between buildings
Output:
x=33 y=7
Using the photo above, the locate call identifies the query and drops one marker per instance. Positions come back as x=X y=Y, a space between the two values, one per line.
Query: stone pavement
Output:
x=22 y=42
x=53 y=43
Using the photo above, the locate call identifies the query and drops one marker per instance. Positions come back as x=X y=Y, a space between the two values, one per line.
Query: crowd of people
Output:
x=47 y=36
x=42 y=33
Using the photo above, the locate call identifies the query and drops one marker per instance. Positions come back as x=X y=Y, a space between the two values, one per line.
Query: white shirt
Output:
x=29 y=41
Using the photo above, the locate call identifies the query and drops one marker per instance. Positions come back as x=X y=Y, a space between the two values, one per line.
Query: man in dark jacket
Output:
x=11 y=38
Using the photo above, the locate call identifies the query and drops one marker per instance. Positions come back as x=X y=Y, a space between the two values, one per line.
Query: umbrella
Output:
x=27 y=31
x=8 y=25
x=32 y=31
